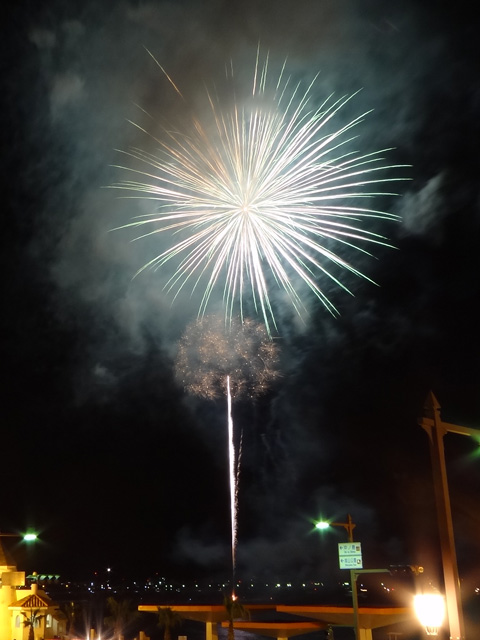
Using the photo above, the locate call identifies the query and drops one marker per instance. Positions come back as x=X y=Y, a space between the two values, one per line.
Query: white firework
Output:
x=254 y=195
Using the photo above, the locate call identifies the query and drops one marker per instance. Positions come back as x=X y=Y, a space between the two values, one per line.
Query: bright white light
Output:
x=430 y=610
x=257 y=194
x=28 y=537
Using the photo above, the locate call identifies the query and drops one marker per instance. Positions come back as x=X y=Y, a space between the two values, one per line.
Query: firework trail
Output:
x=255 y=193
x=214 y=361
x=234 y=471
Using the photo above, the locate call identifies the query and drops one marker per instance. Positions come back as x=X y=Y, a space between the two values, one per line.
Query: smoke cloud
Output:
x=87 y=73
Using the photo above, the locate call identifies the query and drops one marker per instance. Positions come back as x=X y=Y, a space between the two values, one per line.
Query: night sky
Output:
x=102 y=451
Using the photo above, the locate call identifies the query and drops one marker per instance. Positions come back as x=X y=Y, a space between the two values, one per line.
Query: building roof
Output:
x=319 y=617
x=32 y=601
x=369 y=617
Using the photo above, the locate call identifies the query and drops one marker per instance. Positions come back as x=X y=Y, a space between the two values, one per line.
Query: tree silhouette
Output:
x=168 y=619
x=72 y=612
x=122 y=613
x=234 y=610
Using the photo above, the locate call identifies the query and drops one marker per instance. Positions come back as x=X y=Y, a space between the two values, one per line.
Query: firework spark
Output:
x=255 y=194
x=209 y=352
x=214 y=360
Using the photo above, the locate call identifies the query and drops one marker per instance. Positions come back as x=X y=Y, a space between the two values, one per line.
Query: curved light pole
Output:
x=436 y=430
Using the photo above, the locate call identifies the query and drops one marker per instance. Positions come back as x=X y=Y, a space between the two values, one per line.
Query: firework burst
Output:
x=209 y=352
x=214 y=360
x=256 y=193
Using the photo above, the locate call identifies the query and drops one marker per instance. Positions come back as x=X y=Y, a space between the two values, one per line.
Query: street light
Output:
x=30 y=537
x=349 y=526
x=427 y=614
x=430 y=610
x=27 y=537
x=436 y=430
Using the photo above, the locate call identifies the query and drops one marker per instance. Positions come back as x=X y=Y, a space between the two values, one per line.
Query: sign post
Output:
x=350 y=557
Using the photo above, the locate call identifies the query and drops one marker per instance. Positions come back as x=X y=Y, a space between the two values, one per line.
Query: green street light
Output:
x=349 y=526
x=30 y=537
x=27 y=537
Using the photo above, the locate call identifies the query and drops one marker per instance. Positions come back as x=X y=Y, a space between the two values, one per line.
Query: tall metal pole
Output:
x=353 y=582
x=350 y=526
x=436 y=430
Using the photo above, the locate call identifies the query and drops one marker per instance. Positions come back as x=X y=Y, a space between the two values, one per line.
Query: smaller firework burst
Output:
x=210 y=351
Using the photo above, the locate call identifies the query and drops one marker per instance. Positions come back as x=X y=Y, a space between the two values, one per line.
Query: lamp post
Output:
x=349 y=526
x=429 y=614
x=436 y=430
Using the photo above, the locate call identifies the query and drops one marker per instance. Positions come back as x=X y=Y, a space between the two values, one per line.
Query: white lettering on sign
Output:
x=349 y=548
x=351 y=562
x=350 y=555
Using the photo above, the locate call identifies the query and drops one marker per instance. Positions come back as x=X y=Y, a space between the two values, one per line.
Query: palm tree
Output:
x=122 y=614
x=32 y=620
x=234 y=610
x=168 y=619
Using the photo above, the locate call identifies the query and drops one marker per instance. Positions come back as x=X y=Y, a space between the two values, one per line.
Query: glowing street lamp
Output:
x=27 y=537
x=430 y=610
x=349 y=526
x=30 y=537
